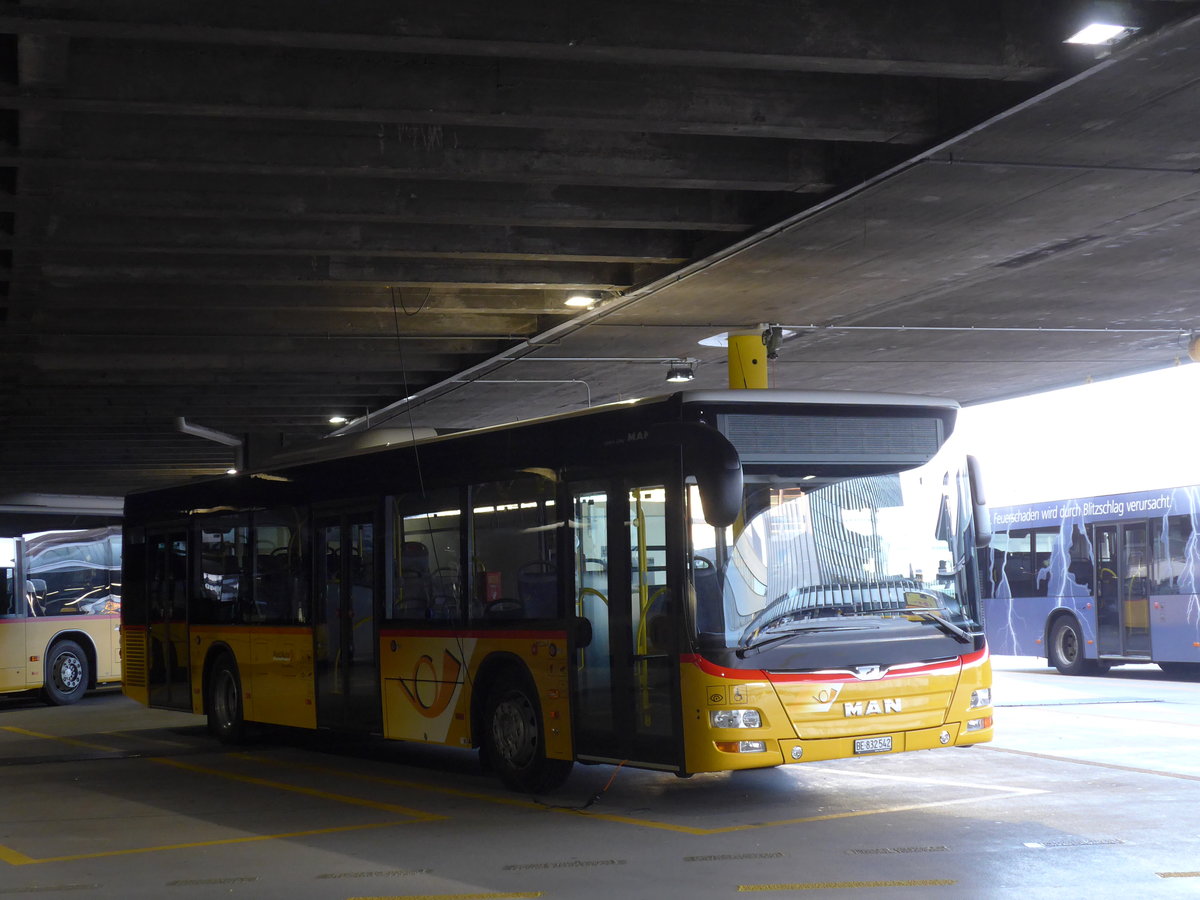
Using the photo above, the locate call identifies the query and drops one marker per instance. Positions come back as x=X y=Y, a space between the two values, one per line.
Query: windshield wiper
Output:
x=934 y=616
x=792 y=632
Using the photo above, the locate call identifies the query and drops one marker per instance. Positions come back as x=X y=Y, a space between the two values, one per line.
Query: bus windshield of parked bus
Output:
x=818 y=555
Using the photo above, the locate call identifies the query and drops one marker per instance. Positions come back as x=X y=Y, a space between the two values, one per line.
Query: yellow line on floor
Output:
x=213 y=843
x=16 y=858
x=997 y=793
x=74 y=742
x=296 y=789
x=845 y=885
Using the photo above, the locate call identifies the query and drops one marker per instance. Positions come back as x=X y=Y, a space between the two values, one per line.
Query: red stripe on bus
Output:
x=249 y=629
x=710 y=668
x=481 y=633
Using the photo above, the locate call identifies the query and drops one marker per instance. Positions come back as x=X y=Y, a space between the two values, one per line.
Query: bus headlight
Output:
x=741 y=746
x=735 y=718
x=981 y=697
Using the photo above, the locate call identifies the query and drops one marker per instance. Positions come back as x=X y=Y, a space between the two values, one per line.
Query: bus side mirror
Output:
x=581 y=632
x=715 y=462
x=983 y=515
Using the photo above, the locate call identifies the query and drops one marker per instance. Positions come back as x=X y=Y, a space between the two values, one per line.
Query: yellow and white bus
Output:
x=699 y=582
x=60 y=612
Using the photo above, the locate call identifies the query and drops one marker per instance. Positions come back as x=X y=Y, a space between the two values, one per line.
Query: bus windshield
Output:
x=817 y=554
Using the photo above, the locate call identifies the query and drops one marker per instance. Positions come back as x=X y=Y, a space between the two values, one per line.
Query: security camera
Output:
x=772 y=338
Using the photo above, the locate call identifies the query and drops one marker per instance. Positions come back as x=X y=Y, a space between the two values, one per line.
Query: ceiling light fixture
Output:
x=338 y=420
x=580 y=301
x=1098 y=33
x=681 y=371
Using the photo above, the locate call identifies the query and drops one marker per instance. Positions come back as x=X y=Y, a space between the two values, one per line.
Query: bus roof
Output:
x=338 y=449
x=841 y=398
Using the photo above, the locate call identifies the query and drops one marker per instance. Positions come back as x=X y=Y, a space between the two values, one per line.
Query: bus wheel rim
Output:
x=1067 y=646
x=68 y=672
x=515 y=730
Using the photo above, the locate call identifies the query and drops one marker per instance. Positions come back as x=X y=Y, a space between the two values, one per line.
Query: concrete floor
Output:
x=1091 y=789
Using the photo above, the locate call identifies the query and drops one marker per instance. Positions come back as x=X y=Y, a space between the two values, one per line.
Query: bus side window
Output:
x=426 y=570
x=1081 y=565
x=514 y=539
x=225 y=569
x=1045 y=541
x=8 y=602
x=1170 y=557
x=1018 y=564
x=280 y=585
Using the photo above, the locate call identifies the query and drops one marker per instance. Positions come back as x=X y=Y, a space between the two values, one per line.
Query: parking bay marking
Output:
x=995 y=792
x=16 y=858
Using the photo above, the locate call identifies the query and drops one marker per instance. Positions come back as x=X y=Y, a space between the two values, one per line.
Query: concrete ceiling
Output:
x=251 y=216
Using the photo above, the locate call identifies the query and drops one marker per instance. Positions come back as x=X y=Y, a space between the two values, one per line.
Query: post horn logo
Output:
x=428 y=691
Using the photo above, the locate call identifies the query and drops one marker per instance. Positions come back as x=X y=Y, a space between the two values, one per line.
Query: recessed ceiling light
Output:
x=1100 y=33
x=231 y=471
x=338 y=420
x=579 y=301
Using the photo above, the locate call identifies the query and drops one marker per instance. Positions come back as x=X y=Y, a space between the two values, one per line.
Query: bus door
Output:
x=12 y=618
x=168 y=671
x=1122 y=589
x=626 y=679
x=347 y=670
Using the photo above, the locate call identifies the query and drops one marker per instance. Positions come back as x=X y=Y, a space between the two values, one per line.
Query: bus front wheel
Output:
x=514 y=739
x=67 y=673
x=225 y=720
x=1066 y=648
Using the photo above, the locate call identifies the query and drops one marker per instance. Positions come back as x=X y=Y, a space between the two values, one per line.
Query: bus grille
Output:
x=857 y=708
x=133 y=658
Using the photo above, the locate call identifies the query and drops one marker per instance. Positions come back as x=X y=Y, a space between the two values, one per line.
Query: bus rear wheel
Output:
x=1066 y=648
x=67 y=674
x=514 y=739
x=224 y=701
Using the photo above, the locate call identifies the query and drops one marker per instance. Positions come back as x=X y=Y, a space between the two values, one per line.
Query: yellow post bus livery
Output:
x=60 y=612
x=706 y=581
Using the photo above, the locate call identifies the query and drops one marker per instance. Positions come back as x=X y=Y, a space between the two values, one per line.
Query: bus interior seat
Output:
x=415 y=581
x=537 y=589
x=708 y=595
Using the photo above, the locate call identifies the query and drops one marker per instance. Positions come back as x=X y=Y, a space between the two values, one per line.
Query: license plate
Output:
x=873 y=745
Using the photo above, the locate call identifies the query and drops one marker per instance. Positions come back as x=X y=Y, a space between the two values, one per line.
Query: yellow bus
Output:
x=60 y=612
x=706 y=581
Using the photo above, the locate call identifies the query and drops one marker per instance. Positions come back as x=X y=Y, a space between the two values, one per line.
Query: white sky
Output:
x=1128 y=434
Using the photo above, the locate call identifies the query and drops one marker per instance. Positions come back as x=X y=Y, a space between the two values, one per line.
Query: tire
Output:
x=1066 y=648
x=224 y=701
x=1181 y=671
x=514 y=739
x=67 y=674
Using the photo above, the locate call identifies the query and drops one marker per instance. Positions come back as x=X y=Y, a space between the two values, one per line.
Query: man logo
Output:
x=872 y=707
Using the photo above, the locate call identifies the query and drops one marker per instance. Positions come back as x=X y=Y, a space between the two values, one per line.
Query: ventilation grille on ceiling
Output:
x=832 y=439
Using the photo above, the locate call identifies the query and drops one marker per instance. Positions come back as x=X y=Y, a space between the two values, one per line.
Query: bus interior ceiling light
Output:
x=680 y=371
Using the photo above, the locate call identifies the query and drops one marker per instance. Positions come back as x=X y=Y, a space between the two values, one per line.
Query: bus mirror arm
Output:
x=983 y=515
